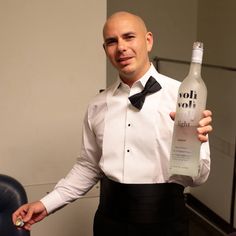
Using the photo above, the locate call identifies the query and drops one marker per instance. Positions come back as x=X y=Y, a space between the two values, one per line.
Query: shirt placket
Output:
x=129 y=149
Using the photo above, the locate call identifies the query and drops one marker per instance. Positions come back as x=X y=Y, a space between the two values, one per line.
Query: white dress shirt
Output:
x=126 y=144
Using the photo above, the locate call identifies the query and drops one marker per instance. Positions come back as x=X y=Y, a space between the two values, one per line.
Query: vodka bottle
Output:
x=191 y=102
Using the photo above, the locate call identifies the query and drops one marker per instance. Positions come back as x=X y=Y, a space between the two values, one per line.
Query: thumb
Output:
x=172 y=115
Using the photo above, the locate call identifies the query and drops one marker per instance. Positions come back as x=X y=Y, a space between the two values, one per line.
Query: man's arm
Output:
x=82 y=177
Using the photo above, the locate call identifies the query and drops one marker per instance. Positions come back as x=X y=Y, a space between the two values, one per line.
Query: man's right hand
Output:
x=30 y=213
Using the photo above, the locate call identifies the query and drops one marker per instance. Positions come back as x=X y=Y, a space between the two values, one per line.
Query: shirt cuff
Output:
x=52 y=201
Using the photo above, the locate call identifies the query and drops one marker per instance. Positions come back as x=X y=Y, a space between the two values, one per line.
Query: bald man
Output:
x=126 y=145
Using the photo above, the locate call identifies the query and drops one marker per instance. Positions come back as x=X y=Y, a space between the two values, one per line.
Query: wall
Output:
x=48 y=48
x=216 y=21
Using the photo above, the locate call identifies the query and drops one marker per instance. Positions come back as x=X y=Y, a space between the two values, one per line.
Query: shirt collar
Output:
x=151 y=72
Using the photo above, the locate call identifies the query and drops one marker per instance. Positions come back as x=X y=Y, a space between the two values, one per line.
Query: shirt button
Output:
x=127 y=150
x=129 y=125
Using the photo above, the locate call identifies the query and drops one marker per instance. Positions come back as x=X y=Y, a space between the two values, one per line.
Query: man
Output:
x=128 y=146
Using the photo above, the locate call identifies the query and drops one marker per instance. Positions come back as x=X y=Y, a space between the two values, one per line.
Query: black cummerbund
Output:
x=141 y=203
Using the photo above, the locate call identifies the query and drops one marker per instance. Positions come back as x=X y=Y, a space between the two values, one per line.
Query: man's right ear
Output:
x=104 y=47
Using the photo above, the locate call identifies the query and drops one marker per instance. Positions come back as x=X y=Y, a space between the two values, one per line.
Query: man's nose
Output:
x=121 y=45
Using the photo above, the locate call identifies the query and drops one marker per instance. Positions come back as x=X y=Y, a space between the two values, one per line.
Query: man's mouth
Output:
x=123 y=60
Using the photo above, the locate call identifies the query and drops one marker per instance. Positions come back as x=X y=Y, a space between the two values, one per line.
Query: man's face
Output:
x=127 y=44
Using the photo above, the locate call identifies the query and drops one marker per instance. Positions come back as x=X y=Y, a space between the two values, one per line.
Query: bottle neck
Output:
x=196 y=62
x=195 y=69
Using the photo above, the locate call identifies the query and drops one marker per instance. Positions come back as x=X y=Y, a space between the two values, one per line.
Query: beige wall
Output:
x=216 y=23
x=51 y=64
x=47 y=51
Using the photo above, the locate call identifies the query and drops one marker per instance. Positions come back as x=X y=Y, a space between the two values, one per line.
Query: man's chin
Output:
x=127 y=74
x=127 y=69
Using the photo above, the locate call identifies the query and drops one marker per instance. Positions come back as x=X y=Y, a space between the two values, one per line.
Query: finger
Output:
x=204 y=130
x=172 y=115
x=29 y=214
x=19 y=213
x=203 y=138
x=207 y=113
x=38 y=218
x=23 y=213
x=27 y=226
x=205 y=121
x=203 y=133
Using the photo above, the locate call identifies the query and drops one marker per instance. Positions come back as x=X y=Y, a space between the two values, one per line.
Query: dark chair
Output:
x=12 y=196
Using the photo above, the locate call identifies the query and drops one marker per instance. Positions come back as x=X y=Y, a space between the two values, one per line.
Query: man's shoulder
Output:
x=168 y=81
x=98 y=104
x=101 y=96
x=98 y=99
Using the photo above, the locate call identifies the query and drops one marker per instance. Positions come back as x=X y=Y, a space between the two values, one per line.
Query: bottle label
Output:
x=187 y=114
x=185 y=151
x=185 y=144
x=187 y=99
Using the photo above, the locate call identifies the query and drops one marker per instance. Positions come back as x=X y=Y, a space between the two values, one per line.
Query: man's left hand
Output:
x=204 y=125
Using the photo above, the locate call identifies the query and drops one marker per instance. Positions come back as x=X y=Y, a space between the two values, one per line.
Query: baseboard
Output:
x=208 y=214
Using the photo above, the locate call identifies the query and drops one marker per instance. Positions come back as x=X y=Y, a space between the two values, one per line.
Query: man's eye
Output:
x=130 y=37
x=110 y=42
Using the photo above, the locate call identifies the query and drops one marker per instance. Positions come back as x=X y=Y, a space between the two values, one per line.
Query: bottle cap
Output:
x=197 y=52
x=198 y=45
x=19 y=222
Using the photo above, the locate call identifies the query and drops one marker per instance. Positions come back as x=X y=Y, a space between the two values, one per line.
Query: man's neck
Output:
x=130 y=79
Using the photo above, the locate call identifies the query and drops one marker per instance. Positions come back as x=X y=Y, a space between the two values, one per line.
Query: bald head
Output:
x=127 y=43
x=125 y=16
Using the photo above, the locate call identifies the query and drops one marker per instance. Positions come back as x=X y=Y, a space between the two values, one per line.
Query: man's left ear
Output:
x=149 y=39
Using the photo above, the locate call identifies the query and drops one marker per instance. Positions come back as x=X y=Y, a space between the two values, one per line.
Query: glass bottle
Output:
x=191 y=102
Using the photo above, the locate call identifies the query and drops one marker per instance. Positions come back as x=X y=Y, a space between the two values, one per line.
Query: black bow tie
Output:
x=138 y=99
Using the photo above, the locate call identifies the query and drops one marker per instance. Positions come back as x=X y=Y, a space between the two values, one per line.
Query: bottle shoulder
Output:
x=194 y=83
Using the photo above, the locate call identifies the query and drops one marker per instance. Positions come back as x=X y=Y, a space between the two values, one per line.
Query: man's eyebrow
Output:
x=114 y=38
x=128 y=33
x=109 y=39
